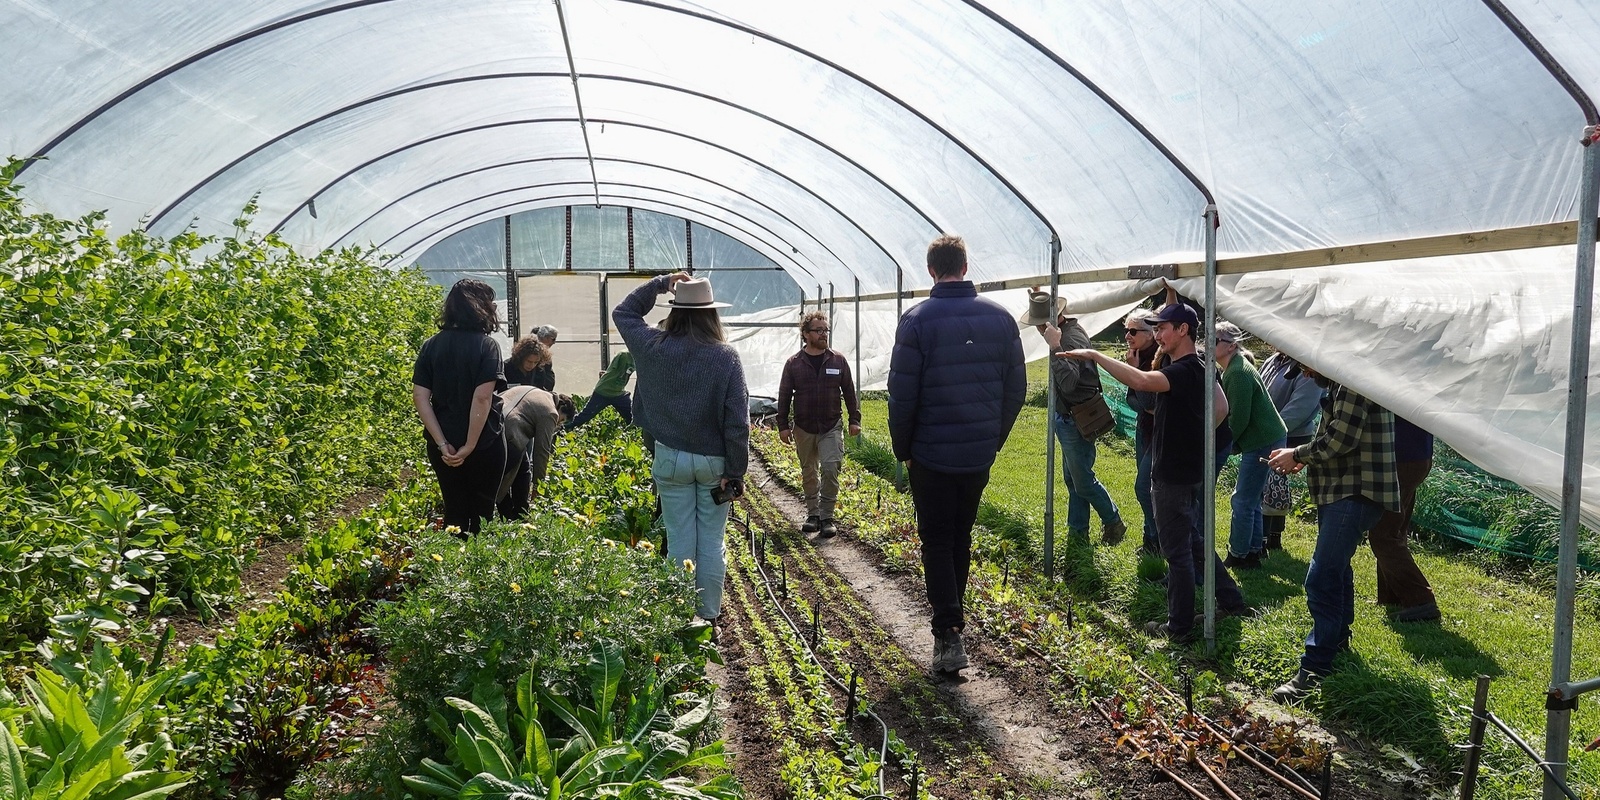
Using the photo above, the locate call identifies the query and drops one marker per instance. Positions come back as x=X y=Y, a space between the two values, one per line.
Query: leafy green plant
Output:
x=98 y=734
x=623 y=744
x=532 y=593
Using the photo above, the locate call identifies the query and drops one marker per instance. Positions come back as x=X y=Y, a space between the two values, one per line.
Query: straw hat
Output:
x=693 y=293
x=1039 y=310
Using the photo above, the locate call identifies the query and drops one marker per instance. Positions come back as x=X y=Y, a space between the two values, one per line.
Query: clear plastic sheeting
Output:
x=599 y=237
x=479 y=249
x=660 y=242
x=1471 y=348
x=538 y=239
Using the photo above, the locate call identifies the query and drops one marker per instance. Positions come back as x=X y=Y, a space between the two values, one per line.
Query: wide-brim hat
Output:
x=1038 y=312
x=693 y=293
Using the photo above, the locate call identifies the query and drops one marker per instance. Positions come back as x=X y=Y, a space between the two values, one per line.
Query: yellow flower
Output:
x=688 y=564
x=625 y=593
x=516 y=588
x=437 y=557
x=644 y=612
x=646 y=546
x=452 y=529
x=577 y=634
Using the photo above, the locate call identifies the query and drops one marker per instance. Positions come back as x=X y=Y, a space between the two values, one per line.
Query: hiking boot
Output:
x=1274 y=540
x=829 y=529
x=948 y=653
x=1251 y=561
x=1162 y=630
x=1297 y=688
x=811 y=525
x=1427 y=612
x=1111 y=533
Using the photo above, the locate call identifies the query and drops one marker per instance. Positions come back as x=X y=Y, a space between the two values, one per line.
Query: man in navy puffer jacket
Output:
x=956 y=385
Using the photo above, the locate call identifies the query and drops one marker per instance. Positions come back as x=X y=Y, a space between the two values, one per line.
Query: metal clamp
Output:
x=1146 y=271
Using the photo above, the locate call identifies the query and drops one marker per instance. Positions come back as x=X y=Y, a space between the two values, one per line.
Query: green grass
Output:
x=1405 y=685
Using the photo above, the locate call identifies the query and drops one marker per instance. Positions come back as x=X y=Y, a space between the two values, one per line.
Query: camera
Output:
x=734 y=491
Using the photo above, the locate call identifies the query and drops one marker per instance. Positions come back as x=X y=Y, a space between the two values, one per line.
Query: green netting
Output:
x=1459 y=501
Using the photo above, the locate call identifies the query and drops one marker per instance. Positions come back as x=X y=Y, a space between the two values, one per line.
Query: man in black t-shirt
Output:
x=1177 y=451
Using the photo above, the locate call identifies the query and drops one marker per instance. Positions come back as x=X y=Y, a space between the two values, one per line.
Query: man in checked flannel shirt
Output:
x=1354 y=480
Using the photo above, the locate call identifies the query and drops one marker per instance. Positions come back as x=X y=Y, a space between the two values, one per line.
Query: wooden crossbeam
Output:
x=1454 y=244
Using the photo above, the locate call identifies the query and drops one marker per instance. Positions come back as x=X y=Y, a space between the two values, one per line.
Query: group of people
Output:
x=956 y=386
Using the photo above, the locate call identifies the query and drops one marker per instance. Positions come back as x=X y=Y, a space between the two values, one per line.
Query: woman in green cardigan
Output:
x=1257 y=431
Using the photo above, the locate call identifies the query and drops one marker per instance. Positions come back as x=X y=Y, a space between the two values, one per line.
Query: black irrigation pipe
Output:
x=1304 y=787
x=758 y=555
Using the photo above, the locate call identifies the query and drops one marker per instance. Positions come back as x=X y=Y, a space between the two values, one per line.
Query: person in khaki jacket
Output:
x=813 y=383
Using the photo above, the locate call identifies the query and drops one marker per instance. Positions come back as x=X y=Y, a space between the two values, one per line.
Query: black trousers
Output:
x=947 y=505
x=469 y=489
x=515 y=505
x=1183 y=545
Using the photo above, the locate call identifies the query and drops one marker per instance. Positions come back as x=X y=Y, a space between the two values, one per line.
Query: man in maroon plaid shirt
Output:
x=814 y=381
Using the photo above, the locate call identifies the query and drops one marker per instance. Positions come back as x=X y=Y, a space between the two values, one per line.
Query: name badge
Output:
x=831 y=371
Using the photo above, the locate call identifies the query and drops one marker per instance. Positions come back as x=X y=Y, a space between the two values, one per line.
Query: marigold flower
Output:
x=646 y=546
x=452 y=529
x=688 y=564
x=516 y=588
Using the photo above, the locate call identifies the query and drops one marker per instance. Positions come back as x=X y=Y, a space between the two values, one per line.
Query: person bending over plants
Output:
x=453 y=384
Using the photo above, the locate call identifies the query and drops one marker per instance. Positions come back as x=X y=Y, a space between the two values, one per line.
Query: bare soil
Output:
x=1053 y=747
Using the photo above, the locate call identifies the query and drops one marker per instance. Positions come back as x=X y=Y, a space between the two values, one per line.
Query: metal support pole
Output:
x=899 y=311
x=513 y=301
x=1049 y=424
x=1558 y=714
x=858 y=378
x=819 y=299
x=1480 y=707
x=605 y=322
x=830 y=304
x=1208 y=502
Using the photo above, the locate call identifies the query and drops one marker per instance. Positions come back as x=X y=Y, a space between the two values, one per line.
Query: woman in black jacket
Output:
x=453 y=386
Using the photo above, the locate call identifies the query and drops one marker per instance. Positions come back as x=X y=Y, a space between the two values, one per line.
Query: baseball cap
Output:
x=1178 y=314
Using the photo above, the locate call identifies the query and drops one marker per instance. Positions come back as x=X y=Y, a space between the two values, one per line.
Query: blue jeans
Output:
x=695 y=523
x=1330 y=583
x=623 y=403
x=1141 y=489
x=1246 y=533
x=1084 y=490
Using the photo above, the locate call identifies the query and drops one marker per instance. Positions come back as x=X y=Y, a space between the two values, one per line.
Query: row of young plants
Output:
x=1091 y=658
x=555 y=632
x=553 y=657
x=779 y=581
x=167 y=404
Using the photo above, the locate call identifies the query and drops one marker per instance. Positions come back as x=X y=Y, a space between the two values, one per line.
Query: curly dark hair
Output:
x=527 y=346
x=469 y=307
x=565 y=407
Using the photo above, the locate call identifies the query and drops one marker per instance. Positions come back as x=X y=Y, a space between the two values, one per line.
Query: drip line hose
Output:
x=766 y=583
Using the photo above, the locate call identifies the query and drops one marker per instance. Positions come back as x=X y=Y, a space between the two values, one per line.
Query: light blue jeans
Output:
x=1084 y=490
x=695 y=523
x=1246 y=533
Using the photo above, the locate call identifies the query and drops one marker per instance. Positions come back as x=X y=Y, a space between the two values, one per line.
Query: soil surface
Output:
x=1006 y=704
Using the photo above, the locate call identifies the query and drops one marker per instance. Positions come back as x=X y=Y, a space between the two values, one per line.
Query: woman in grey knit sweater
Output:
x=698 y=412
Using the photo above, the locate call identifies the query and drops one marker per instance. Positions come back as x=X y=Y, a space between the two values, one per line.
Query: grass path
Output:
x=1409 y=685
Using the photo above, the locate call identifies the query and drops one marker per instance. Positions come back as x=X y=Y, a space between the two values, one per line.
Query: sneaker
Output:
x=1112 y=532
x=1251 y=561
x=829 y=529
x=1297 y=688
x=811 y=525
x=948 y=653
x=1162 y=630
x=1427 y=612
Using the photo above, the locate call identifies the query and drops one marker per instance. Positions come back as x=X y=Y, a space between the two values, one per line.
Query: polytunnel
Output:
x=1399 y=193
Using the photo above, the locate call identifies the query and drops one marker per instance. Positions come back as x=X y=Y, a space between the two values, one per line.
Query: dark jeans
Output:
x=1330 y=582
x=1400 y=582
x=469 y=490
x=515 y=504
x=947 y=505
x=1182 y=543
x=1141 y=489
x=623 y=403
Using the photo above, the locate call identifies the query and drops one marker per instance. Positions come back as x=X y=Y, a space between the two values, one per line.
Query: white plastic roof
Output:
x=837 y=137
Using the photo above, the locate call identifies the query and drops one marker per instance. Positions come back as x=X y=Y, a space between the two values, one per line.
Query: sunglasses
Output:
x=1132 y=331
